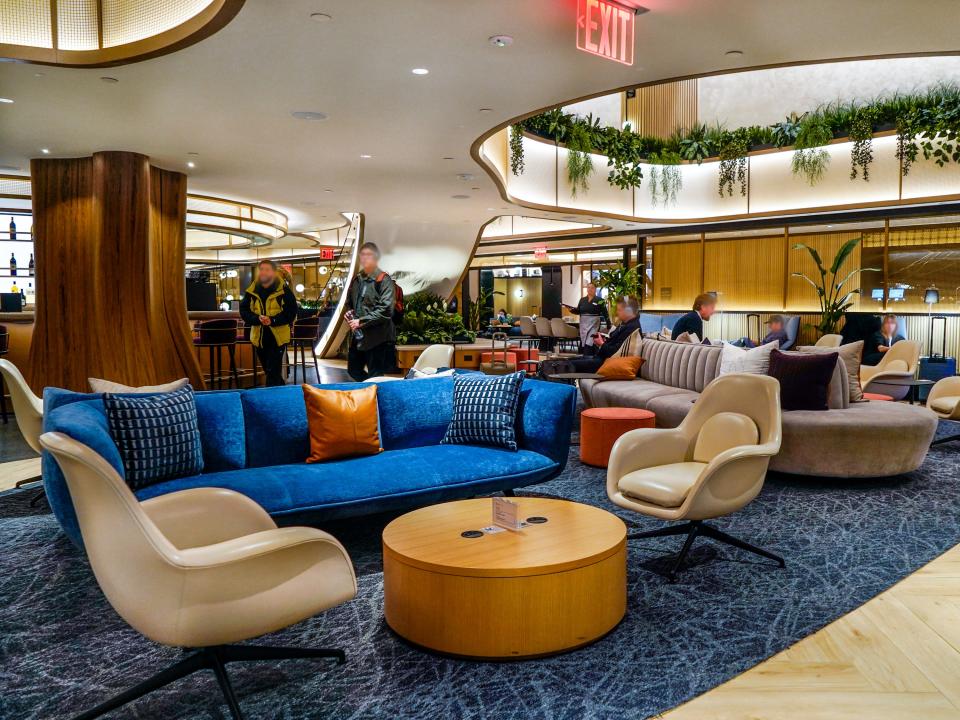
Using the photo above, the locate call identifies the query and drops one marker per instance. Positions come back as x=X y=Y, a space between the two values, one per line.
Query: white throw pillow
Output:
x=746 y=360
x=688 y=337
x=108 y=386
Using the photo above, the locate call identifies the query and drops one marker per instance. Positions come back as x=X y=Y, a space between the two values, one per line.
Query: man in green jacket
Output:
x=370 y=300
x=269 y=307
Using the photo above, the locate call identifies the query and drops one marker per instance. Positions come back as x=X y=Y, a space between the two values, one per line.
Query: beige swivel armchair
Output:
x=199 y=569
x=944 y=400
x=830 y=341
x=711 y=465
x=435 y=357
x=27 y=409
x=565 y=334
x=899 y=362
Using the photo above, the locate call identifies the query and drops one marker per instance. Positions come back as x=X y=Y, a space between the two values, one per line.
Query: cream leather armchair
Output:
x=199 y=569
x=711 y=465
x=435 y=356
x=944 y=400
x=27 y=409
x=899 y=362
x=831 y=341
x=565 y=334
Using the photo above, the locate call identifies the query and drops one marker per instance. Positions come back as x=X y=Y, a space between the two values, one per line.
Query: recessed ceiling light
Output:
x=6 y=101
x=45 y=151
x=460 y=197
x=474 y=188
x=327 y=190
x=39 y=74
x=366 y=157
x=486 y=110
x=309 y=115
x=193 y=154
x=500 y=40
x=734 y=53
x=465 y=176
x=109 y=79
x=420 y=71
x=321 y=17
x=446 y=157
x=191 y=164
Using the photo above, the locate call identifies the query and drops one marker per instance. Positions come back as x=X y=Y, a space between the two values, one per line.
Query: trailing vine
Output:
x=516 y=149
x=861 y=132
x=579 y=161
x=734 y=147
x=809 y=158
x=665 y=179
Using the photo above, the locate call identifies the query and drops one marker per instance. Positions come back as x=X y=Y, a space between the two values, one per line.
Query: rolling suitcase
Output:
x=936 y=366
x=498 y=367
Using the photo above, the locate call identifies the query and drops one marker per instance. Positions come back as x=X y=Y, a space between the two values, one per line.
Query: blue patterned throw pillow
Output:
x=157 y=435
x=484 y=410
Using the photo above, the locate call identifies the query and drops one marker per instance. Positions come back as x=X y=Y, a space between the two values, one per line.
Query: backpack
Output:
x=398 y=308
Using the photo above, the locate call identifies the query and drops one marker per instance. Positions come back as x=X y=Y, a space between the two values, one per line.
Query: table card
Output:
x=506 y=514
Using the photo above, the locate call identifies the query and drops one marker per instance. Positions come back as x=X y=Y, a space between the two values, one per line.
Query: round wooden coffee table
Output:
x=542 y=590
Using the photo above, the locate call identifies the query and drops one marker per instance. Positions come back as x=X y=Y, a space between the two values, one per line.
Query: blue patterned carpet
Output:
x=62 y=648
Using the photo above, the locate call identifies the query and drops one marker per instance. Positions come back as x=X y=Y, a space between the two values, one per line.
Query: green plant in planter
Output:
x=809 y=157
x=861 y=132
x=579 y=161
x=618 y=282
x=624 y=154
x=733 y=147
x=785 y=132
x=834 y=300
x=695 y=144
x=479 y=307
x=426 y=320
x=516 y=149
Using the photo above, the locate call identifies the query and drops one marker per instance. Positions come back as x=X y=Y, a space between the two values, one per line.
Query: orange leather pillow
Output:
x=620 y=368
x=343 y=423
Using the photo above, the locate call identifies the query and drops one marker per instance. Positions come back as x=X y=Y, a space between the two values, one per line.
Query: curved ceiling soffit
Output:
x=477 y=146
x=207 y=21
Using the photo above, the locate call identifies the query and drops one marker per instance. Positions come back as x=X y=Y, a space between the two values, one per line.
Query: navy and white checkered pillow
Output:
x=157 y=435
x=484 y=410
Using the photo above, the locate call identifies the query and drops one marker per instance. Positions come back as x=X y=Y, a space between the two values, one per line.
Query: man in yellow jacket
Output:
x=269 y=307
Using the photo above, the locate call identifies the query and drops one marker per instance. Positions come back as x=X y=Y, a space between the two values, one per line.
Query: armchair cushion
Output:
x=664 y=485
x=944 y=405
x=723 y=431
x=897 y=366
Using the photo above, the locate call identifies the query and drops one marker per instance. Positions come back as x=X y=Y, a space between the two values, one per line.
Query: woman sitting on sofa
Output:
x=882 y=341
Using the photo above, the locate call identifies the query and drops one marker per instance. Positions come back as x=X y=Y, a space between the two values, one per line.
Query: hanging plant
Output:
x=734 y=147
x=809 y=158
x=624 y=152
x=861 y=132
x=907 y=148
x=579 y=160
x=666 y=180
x=516 y=149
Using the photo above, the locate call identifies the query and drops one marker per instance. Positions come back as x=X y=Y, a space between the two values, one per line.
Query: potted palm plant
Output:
x=618 y=282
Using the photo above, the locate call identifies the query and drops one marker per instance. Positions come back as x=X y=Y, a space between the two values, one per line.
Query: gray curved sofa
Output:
x=868 y=439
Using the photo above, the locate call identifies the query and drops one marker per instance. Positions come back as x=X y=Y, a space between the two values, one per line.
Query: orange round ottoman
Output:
x=877 y=396
x=600 y=428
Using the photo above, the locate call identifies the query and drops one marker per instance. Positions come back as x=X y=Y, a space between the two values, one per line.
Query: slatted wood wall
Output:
x=660 y=109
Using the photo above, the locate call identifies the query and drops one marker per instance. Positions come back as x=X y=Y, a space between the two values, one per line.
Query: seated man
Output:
x=703 y=307
x=776 y=332
x=628 y=309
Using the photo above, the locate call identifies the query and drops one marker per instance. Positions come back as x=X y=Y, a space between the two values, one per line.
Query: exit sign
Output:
x=540 y=253
x=605 y=28
x=326 y=253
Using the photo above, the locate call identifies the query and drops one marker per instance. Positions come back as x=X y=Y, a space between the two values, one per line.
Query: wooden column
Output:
x=109 y=237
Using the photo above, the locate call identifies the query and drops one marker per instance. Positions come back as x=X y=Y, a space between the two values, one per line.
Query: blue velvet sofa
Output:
x=256 y=442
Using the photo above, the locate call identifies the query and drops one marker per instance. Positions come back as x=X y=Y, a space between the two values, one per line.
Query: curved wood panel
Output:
x=110 y=247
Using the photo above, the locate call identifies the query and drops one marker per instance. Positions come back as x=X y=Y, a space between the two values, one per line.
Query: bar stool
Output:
x=243 y=338
x=304 y=334
x=216 y=335
x=4 y=349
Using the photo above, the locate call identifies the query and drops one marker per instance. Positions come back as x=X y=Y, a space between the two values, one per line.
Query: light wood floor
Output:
x=895 y=658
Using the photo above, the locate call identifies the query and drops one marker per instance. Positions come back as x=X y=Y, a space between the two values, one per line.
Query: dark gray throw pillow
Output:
x=484 y=410
x=157 y=435
x=803 y=379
